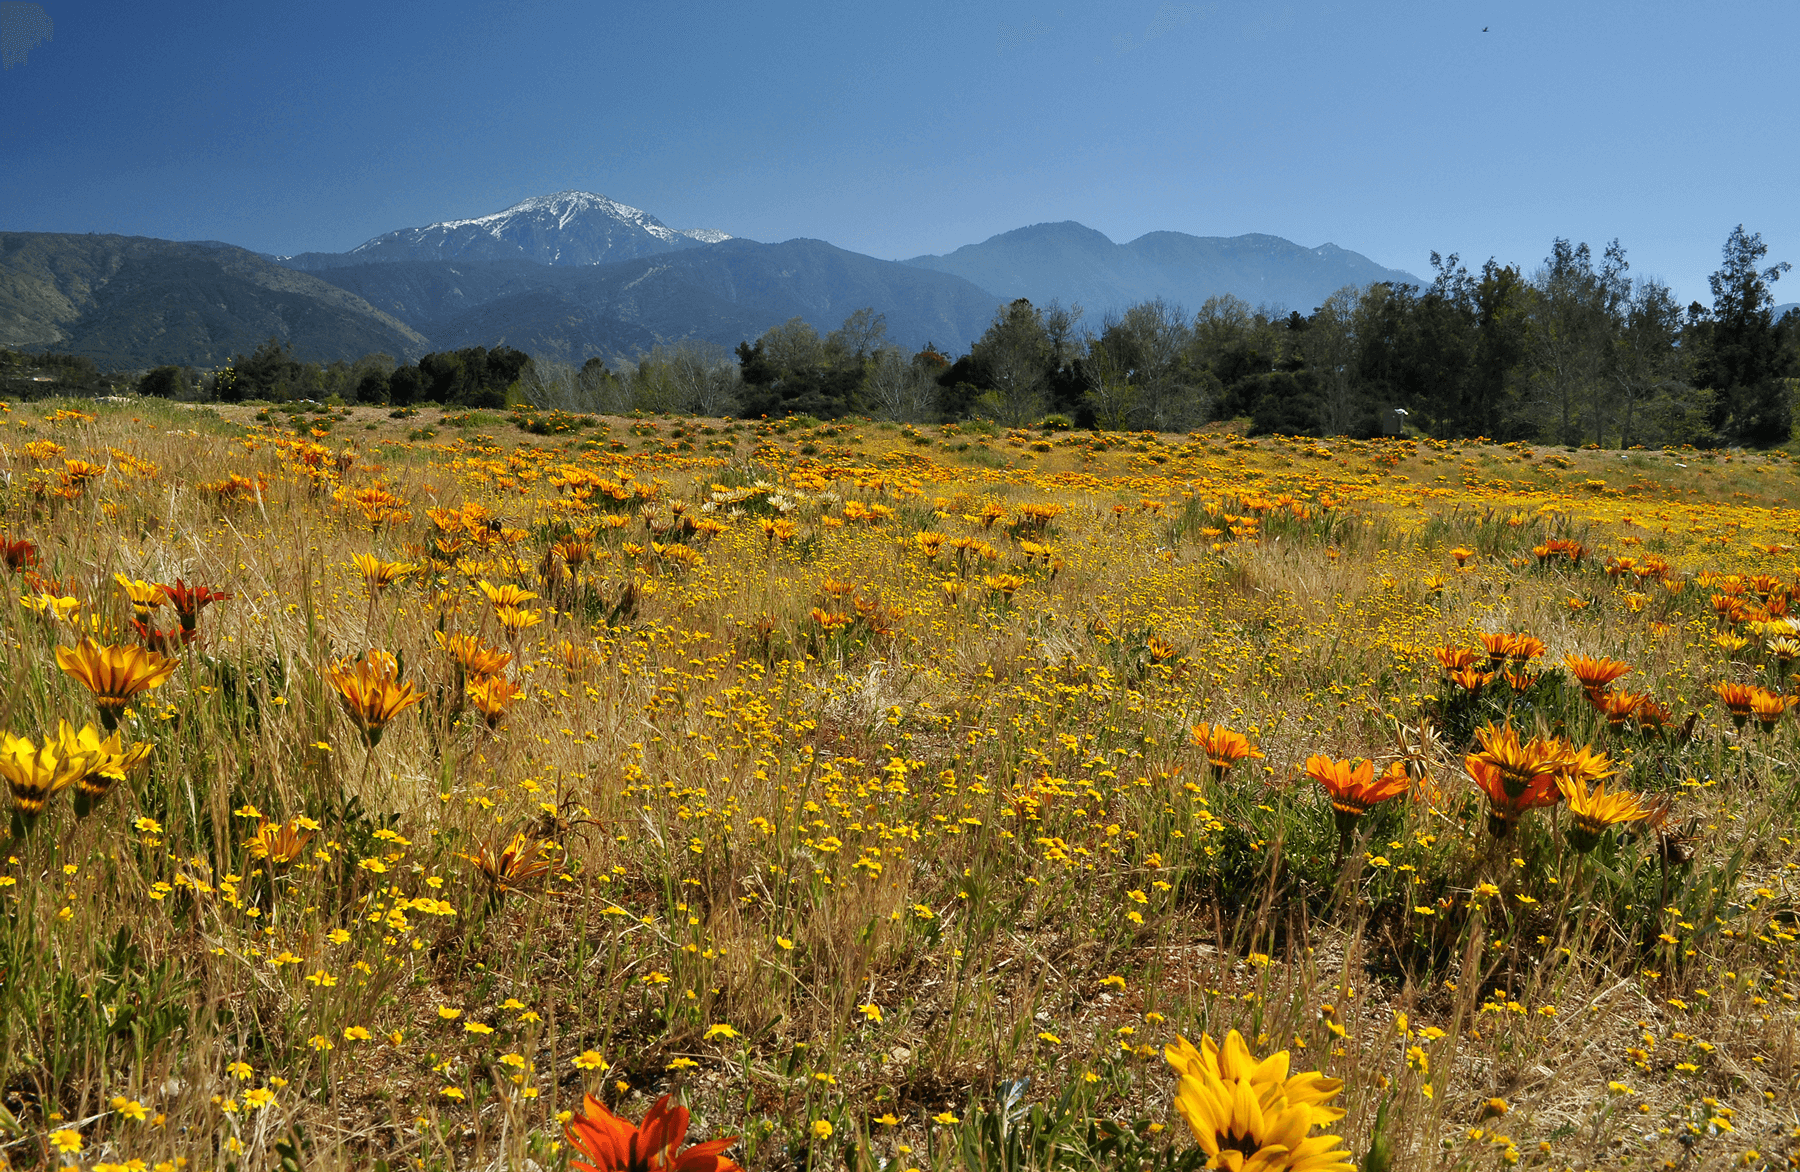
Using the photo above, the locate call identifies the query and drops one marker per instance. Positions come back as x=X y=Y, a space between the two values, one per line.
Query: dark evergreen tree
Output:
x=165 y=382
x=1736 y=350
x=405 y=386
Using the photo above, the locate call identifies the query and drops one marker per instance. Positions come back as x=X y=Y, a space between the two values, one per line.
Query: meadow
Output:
x=383 y=786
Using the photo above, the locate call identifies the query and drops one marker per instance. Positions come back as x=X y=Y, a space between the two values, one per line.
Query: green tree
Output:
x=165 y=382
x=1644 y=363
x=405 y=386
x=1737 y=351
x=790 y=370
x=1574 y=315
x=372 y=387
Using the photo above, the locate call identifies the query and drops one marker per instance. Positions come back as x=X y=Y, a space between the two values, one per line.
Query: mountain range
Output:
x=131 y=301
x=1075 y=264
x=568 y=228
x=571 y=275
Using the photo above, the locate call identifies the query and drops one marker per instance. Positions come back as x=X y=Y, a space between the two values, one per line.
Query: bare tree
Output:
x=1110 y=394
x=862 y=334
x=898 y=388
x=703 y=377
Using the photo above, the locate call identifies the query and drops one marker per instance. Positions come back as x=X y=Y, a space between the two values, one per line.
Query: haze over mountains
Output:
x=1073 y=263
x=573 y=275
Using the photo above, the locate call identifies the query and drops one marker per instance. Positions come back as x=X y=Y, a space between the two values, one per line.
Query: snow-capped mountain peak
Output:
x=563 y=228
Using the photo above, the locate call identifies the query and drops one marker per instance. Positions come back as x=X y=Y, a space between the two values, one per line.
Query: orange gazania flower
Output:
x=1505 y=808
x=1651 y=716
x=1223 y=747
x=1454 y=659
x=1595 y=675
x=1739 y=698
x=372 y=693
x=610 y=1144
x=1524 y=648
x=1498 y=645
x=114 y=673
x=1353 y=787
x=1471 y=680
x=575 y=549
x=162 y=642
x=1521 y=764
x=1619 y=707
x=1769 y=707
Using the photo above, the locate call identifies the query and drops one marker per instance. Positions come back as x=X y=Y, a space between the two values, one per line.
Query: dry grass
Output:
x=828 y=843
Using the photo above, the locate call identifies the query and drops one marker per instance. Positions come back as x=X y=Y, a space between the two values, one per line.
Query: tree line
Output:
x=1576 y=351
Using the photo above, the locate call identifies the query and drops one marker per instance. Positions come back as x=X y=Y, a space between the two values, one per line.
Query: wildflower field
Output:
x=442 y=791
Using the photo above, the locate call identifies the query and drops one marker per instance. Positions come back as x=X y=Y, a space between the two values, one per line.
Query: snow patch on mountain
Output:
x=563 y=228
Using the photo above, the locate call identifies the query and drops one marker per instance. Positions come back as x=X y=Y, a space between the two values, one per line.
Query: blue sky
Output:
x=899 y=129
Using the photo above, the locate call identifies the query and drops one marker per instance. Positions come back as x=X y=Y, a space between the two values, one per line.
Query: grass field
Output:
x=840 y=777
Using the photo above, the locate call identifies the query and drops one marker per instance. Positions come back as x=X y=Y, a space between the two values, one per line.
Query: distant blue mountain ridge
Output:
x=575 y=275
x=1072 y=263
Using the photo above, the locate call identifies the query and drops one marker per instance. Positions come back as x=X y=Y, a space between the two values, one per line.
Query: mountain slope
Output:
x=567 y=228
x=725 y=293
x=1072 y=263
x=130 y=301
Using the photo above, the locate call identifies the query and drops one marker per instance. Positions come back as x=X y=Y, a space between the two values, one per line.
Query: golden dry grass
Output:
x=811 y=838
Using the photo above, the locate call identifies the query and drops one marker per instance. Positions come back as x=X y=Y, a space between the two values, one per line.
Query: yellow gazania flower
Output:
x=1233 y=1062
x=1249 y=1116
x=52 y=607
x=1595 y=810
x=145 y=596
x=513 y=866
x=1585 y=765
x=372 y=693
x=517 y=618
x=35 y=775
x=112 y=762
x=472 y=656
x=114 y=673
x=507 y=595
x=379 y=575
x=278 y=843
x=1520 y=764
x=492 y=696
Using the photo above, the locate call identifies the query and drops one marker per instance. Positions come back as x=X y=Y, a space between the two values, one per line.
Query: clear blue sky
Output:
x=898 y=129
